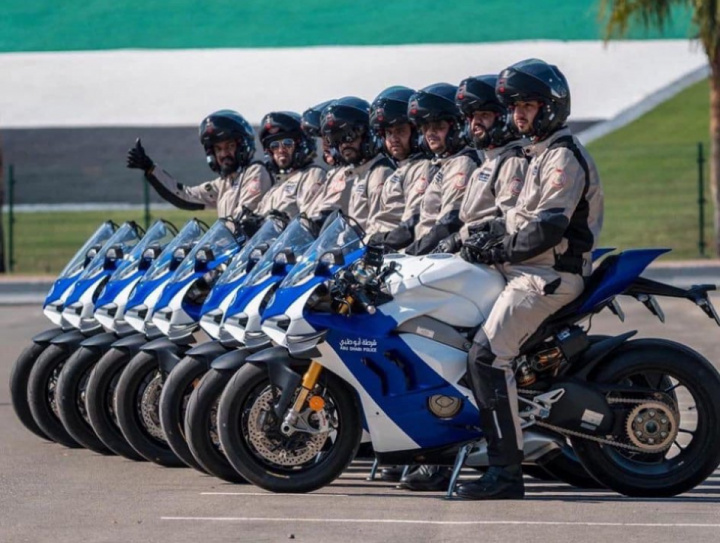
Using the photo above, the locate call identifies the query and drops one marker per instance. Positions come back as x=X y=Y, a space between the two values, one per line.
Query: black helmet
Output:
x=478 y=94
x=535 y=79
x=437 y=103
x=280 y=125
x=311 y=119
x=345 y=119
x=227 y=125
x=390 y=108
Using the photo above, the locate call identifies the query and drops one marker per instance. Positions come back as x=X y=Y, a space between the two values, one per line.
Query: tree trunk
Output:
x=715 y=144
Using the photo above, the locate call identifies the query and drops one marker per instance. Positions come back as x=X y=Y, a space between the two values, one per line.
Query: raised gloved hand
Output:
x=450 y=244
x=137 y=159
x=483 y=248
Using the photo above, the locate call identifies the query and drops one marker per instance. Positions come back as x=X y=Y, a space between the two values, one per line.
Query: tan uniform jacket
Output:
x=226 y=194
x=494 y=187
x=367 y=181
x=445 y=191
x=401 y=195
x=554 y=204
x=293 y=192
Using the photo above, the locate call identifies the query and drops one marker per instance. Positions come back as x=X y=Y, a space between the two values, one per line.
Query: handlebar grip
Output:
x=364 y=302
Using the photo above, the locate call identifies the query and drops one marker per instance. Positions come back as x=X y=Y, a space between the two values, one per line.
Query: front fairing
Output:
x=80 y=303
x=110 y=305
x=62 y=286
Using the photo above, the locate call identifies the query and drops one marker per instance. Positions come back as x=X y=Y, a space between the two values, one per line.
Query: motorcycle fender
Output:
x=69 y=339
x=231 y=361
x=131 y=343
x=43 y=338
x=278 y=362
x=168 y=353
x=581 y=408
x=211 y=349
x=100 y=341
x=598 y=352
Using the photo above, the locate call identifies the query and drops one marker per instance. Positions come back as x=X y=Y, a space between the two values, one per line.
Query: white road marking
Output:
x=450 y=522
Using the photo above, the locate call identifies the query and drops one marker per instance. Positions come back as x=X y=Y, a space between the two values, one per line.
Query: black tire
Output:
x=567 y=468
x=681 y=467
x=183 y=379
x=139 y=388
x=537 y=472
x=19 y=378
x=42 y=386
x=100 y=404
x=71 y=390
x=246 y=386
x=201 y=431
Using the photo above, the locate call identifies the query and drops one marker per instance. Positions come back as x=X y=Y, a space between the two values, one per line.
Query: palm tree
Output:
x=706 y=19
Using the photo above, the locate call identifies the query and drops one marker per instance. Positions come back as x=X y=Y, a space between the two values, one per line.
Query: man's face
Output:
x=327 y=155
x=282 y=152
x=524 y=114
x=481 y=122
x=397 y=140
x=225 y=156
x=435 y=133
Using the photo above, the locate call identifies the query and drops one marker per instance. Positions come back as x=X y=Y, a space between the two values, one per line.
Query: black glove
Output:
x=250 y=222
x=483 y=248
x=450 y=244
x=494 y=225
x=137 y=159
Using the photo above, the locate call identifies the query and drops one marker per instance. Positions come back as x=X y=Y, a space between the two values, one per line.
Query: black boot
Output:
x=392 y=474
x=427 y=479
x=498 y=483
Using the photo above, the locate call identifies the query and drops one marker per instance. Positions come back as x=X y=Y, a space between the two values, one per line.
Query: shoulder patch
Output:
x=558 y=179
x=460 y=181
x=337 y=184
x=253 y=186
x=516 y=186
x=421 y=185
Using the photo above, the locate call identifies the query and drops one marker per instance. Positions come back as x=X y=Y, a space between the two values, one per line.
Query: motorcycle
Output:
x=186 y=375
x=52 y=309
x=242 y=323
x=109 y=312
x=389 y=339
x=78 y=312
x=102 y=382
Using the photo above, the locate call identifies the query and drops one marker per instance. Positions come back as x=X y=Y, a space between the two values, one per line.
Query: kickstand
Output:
x=459 y=462
x=373 y=470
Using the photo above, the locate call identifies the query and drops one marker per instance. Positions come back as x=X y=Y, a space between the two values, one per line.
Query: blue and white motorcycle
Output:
x=101 y=385
x=176 y=316
x=53 y=308
x=109 y=312
x=78 y=312
x=388 y=339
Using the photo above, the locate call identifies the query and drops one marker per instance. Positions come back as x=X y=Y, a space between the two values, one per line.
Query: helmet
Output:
x=282 y=125
x=390 y=108
x=347 y=118
x=311 y=119
x=478 y=94
x=437 y=103
x=535 y=79
x=225 y=125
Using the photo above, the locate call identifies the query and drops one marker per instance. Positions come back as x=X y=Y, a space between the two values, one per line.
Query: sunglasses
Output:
x=346 y=136
x=287 y=143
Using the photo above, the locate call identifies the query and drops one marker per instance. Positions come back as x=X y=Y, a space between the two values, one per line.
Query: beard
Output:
x=228 y=167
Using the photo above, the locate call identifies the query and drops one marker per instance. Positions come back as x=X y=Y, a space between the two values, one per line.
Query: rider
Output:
x=400 y=198
x=290 y=152
x=311 y=126
x=544 y=255
x=433 y=111
x=229 y=143
x=493 y=187
x=355 y=185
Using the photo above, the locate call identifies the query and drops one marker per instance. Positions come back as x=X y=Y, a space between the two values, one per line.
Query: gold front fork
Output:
x=309 y=381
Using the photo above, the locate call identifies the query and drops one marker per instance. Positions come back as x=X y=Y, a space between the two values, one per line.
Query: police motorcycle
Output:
x=389 y=339
x=109 y=312
x=242 y=323
x=187 y=373
x=139 y=308
x=176 y=315
x=52 y=309
x=77 y=310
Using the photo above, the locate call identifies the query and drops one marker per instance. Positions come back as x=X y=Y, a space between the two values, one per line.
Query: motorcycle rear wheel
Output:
x=243 y=421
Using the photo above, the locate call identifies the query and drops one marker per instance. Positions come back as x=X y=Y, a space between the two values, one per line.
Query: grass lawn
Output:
x=649 y=172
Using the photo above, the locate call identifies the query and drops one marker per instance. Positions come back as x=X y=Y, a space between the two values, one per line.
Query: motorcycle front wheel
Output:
x=19 y=377
x=672 y=437
x=302 y=461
